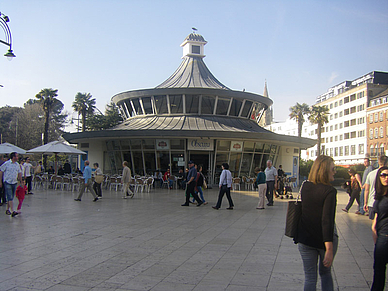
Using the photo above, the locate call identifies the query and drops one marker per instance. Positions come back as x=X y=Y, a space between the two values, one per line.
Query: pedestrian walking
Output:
x=271 y=177
x=12 y=173
x=317 y=236
x=225 y=185
x=98 y=179
x=380 y=229
x=3 y=200
x=355 y=188
x=21 y=191
x=261 y=186
x=126 y=180
x=87 y=183
x=368 y=169
x=200 y=181
x=27 y=174
x=190 y=185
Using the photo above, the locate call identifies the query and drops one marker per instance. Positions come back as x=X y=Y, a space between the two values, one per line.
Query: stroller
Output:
x=285 y=187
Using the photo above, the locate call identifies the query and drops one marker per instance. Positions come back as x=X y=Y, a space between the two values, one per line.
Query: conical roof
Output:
x=192 y=73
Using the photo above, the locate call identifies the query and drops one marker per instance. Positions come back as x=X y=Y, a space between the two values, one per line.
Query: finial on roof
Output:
x=194 y=29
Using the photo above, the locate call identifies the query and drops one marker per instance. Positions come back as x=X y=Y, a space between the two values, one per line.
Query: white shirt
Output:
x=27 y=169
x=370 y=180
x=270 y=174
x=11 y=171
x=226 y=178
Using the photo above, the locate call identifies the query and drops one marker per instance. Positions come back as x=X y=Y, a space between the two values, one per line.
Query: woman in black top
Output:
x=316 y=232
x=380 y=229
x=355 y=186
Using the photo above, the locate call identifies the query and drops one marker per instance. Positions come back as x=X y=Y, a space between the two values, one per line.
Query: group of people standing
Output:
x=317 y=236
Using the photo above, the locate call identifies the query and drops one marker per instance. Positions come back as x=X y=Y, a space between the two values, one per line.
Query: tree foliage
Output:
x=319 y=116
x=297 y=113
x=85 y=105
x=111 y=118
x=7 y=125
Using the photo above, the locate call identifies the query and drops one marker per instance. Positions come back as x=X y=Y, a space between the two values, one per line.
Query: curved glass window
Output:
x=161 y=104
x=207 y=106
x=128 y=108
x=147 y=105
x=247 y=108
x=176 y=104
x=235 y=108
x=192 y=103
x=222 y=106
x=136 y=107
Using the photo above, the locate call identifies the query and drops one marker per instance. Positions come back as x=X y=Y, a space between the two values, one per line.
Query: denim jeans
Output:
x=362 y=197
x=310 y=258
x=201 y=193
x=380 y=262
x=10 y=190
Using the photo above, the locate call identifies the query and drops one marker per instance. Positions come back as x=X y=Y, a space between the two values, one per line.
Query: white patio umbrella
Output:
x=7 y=148
x=56 y=147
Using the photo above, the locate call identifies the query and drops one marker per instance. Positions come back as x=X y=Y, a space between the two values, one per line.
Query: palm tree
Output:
x=298 y=112
x=319 y=116
x=84 y=105
x=48 y=100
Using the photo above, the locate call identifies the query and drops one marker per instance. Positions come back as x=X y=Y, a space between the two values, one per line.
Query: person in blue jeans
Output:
x=380 y=229
x=368 y=169
x=316 y=237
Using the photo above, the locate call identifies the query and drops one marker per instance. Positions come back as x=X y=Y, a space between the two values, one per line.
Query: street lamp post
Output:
x=4 y=19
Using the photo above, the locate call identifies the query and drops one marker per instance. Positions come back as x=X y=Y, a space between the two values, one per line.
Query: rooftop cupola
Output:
x=193 y=45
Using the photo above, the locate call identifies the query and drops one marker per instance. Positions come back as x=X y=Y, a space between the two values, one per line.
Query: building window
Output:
x=192 y=104
x=346 y=112
x=376 y=132
x=341 y=151
x=331 y=152
x=353 y=122
x=376 y=117
x=327 y=140
x=336 y=138
x=352 y=150
x=335 y=151
x=340 y=114
x=361 y=133
x=360 y=149
x=353 y=134
x=370 y=118
x=382 y=151
x=331 y=116
x=341 y=136
x=341 y=125
x=346 y=100
x=346 y=123
x=346 y=135
x=331 y=139
x=336 y=126
x=222 y=106
x=371 y=133
x=335 y=103
x=340 y=102
x=353 y=109
x=361 y=120
x=207 y=104
x=331 y=128
x=381 y=131
x=336 y=116
x=353 y=97
x=346 y=150
x=381 y=116
x=196 y=49
x=372 y=150
x=235 y=108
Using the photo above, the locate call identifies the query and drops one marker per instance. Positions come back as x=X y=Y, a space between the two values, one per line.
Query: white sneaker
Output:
x=124 y=197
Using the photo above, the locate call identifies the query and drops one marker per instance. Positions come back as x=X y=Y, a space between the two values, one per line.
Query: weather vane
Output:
x=194 y=29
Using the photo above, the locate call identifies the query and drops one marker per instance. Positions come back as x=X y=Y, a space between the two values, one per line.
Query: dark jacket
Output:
x=318 y=215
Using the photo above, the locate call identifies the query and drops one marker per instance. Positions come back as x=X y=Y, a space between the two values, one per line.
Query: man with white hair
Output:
x=271 y=177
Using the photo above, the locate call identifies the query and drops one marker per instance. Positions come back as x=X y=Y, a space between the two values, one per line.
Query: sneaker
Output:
x=77 y=199
x=344 y=210
x=30 y=193
x=230 y=208
x=214 y=207
x=14 y=214
x=204 y=203
x=199 y=204
x=8 y=212
x=95 y=199
x=260 y=208
x=357 y=212
x=185 y=204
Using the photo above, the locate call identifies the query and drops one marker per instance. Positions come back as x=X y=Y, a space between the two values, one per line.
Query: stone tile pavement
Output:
x=152 y=243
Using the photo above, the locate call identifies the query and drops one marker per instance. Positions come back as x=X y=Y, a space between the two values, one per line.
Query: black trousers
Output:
x=224 y=190
x=97 y=189
x=2 y=195
x=191 y=190
x=354 y=196
x=29 y=183
x=269 y=193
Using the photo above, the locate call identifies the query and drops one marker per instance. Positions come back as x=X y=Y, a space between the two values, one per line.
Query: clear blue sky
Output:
x=107 y=47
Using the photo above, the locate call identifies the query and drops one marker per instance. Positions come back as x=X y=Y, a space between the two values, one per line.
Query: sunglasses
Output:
x=383 y=175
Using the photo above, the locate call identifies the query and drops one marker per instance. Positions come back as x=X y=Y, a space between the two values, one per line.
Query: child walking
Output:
x=21 y=191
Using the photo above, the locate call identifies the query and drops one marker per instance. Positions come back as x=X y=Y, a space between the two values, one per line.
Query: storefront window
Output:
x=163 y=161
x=259 y=160
x=248 y=146
x=246 y=164
x=235 y=159
x=222 y=106
x=136 y=107
x=177 y=144
x=267 y=148
x=192 y=103
x=220 y=159
x=177 y=162
x=207 y=106
x=148 y=144
x=136 y=144
x=147 y=105
x=138 y=167
x=259 y=147
x=150 y=162
x=161 y=104
x=235 y=108
x=125 y=144
x=176 y=104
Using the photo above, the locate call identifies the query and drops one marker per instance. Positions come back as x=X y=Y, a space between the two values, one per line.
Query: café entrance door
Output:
x=205 y=159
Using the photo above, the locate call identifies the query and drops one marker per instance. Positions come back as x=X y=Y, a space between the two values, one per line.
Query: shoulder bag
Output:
x=294 y=213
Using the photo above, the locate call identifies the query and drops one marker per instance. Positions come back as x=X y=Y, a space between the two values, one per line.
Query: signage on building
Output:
x=236 y=146
x=162 y=144
x=200 y=145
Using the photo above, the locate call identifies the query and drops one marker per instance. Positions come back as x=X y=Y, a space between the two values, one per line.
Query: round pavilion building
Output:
x=190 y=116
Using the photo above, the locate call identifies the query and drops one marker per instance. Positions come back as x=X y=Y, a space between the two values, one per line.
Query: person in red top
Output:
x=166 y=177
x=21 y=191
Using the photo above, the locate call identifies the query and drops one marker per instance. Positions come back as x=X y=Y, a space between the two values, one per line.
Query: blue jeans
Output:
x=310 y=258
x=380 y=262
x=362 y=198
x=10 y=190
x=201 y=193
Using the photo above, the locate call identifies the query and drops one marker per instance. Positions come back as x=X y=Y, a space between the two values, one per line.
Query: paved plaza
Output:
x=152 y=243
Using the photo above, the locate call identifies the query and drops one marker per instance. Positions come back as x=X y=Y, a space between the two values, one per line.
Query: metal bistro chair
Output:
x=149 y=183
x=75 y=183
x=112 y=183
x=139 y=185
x=58 y=182
x=66 y=182
x=236 y=183
x=37 y=182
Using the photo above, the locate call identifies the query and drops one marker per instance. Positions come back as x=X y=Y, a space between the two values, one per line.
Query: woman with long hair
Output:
x=355 y=188
x=317 y=239
x=380 y=229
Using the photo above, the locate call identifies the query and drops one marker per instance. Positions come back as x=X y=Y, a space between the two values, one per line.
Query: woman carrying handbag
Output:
x=316 y=237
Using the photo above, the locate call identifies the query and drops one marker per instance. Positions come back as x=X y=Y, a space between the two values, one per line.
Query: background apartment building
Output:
x=345 y=136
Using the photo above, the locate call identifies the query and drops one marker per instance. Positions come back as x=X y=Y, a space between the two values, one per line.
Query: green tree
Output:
x=8 y=124
x=111 y=118
x=85 y=105
x=298 y=113
x=318 y=116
